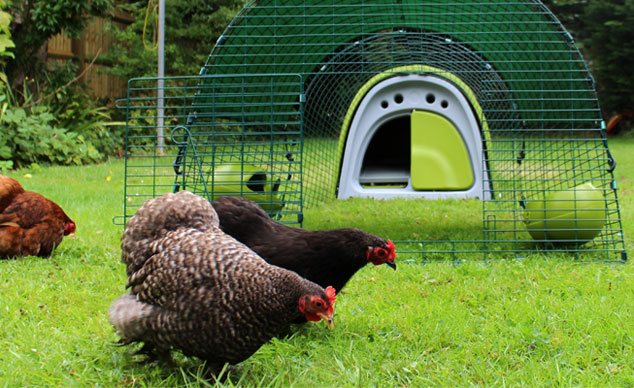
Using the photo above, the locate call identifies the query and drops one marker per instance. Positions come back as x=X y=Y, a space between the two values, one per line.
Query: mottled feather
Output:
x=198 y=290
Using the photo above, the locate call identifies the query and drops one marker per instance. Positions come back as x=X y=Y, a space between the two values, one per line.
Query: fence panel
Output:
x=95 y=41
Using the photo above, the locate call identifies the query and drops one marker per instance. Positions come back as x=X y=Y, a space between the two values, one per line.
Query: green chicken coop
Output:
x=304 y=101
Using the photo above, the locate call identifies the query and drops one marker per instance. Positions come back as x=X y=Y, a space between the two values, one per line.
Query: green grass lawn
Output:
x=539 y=321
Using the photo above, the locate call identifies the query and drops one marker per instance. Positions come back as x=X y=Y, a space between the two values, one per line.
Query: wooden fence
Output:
x=93 y=42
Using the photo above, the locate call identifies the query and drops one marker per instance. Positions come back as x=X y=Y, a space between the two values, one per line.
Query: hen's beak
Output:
x=392 y=264
x=329 y=320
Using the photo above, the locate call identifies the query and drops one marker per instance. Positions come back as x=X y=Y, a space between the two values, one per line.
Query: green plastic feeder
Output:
x=574 y=214
x=248 y=181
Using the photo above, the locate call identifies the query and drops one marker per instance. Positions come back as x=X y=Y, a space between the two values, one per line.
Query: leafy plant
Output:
x=33 y=138
x=32 y=133
x=75 y=110
x=5 y=42
x=191 y=30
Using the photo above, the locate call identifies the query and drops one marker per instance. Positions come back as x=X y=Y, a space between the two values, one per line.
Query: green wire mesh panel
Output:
x=549 y=183
x=236 y=135
x=549 y=172
x=502 y=50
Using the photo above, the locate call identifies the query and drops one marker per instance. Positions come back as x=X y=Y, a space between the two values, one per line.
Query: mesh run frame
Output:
x=224 y=136
x=528 y=86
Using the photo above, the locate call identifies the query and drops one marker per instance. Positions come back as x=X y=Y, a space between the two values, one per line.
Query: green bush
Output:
x=5 y=42
x=31 y=137
x=80 y=113
x=63 y=126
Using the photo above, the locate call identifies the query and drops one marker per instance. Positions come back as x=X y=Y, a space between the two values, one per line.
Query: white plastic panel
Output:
x=400 y=96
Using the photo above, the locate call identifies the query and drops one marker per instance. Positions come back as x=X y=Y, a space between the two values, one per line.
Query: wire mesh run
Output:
x=514 y=56
x=470 y=250
x=547 y=173
x=224 y=136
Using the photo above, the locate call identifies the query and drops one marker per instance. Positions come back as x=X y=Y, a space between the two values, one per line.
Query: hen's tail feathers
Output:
x=127 y=315
x=9 y=188
x=148 y=351
x=172 y=211
x=158 y=216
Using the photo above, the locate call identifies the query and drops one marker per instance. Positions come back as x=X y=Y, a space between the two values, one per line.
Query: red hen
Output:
x=30 y=224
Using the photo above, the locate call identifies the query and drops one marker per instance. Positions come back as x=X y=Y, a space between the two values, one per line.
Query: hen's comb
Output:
x=392 y=248
x=332 y=296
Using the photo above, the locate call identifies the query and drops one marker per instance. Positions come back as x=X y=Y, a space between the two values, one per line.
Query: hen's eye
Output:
x=382 y=252
x=319 y=304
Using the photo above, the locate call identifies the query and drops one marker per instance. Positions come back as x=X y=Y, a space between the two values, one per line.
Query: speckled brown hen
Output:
x=197 y=289
x=30 y=224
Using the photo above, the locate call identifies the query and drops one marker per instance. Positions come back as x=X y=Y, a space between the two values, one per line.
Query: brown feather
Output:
x=30 y=223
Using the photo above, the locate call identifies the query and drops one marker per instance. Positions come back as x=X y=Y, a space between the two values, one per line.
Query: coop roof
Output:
x=531 y=56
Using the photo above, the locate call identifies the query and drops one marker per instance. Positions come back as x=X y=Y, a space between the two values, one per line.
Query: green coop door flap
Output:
x=439 y=157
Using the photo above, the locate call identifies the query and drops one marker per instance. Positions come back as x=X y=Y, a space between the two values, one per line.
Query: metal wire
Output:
x=541 y=126
x=229 y=135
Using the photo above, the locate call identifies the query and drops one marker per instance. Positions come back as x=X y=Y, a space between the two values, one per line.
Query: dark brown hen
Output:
x=326 y=257
x=30 y=224
x=197 y=289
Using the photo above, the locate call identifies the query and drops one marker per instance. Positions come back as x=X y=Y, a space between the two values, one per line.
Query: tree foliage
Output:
x=35 y=22
x=603 y=31
x=6 y=43
x=191 y=30
x=611 y=29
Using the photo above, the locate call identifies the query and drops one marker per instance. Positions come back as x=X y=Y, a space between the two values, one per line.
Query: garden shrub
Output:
x=30 y=136
x=60 y=126
x=80 y=113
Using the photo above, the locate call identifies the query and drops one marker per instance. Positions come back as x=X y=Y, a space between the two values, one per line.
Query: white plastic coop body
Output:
x=413 y=135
